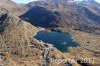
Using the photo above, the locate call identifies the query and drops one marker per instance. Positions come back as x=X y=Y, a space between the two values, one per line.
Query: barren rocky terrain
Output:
x=19 y=48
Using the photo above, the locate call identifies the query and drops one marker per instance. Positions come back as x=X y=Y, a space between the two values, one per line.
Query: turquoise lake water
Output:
x=61 y=41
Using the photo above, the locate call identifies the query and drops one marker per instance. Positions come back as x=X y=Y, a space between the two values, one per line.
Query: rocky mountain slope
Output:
x=78 y=16
x=18 y=48
x=14 y=39
x=12 y=7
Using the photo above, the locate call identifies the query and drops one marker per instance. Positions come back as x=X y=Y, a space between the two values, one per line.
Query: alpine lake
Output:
x=60 y=40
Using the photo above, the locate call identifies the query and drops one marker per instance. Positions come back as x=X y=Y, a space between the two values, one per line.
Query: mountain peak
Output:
x=90 y=1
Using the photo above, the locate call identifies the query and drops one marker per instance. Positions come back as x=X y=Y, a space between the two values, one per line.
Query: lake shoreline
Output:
x=68 y=39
